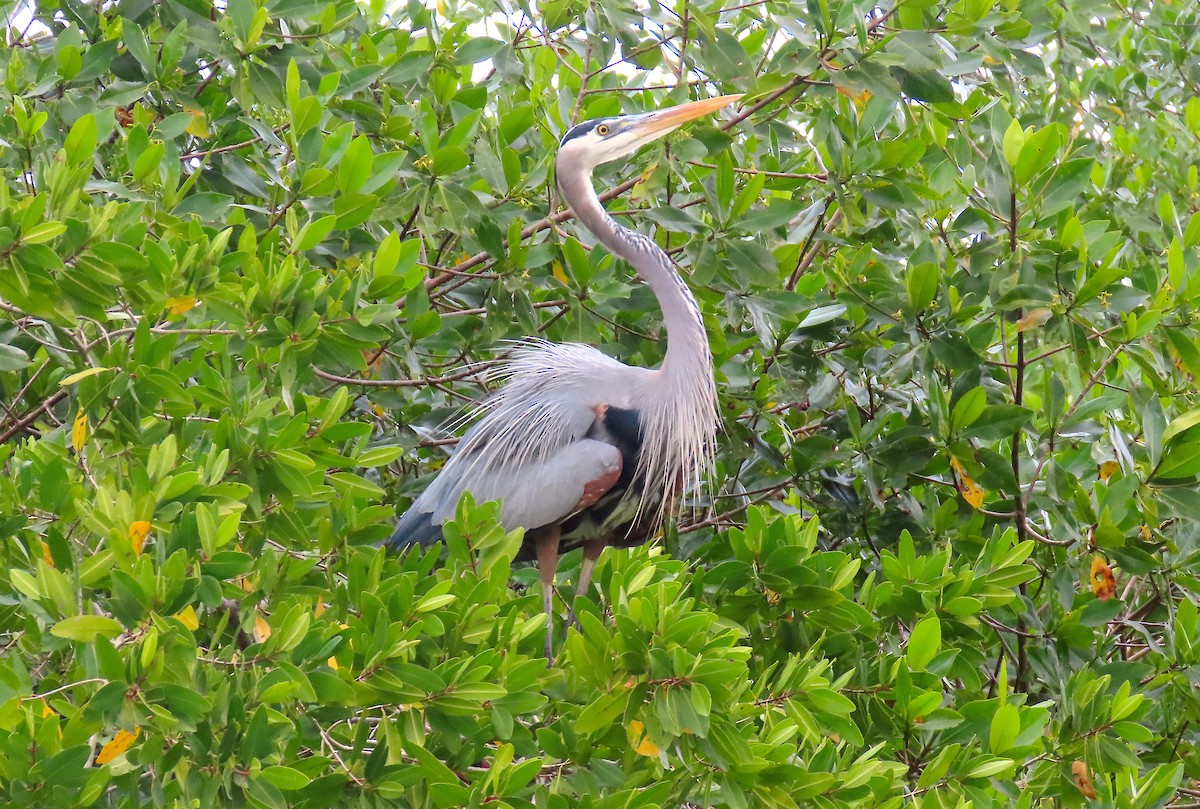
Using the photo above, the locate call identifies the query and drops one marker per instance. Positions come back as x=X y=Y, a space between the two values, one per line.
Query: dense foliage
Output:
x=252 y=254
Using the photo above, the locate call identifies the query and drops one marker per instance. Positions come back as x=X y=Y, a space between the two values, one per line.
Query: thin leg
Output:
x=547 y=558
x=591 y=552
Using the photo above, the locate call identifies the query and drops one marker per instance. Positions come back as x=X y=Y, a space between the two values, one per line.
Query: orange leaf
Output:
x=138 y=531
x=187 y=617
x=1083 y=779
x=971 y=491
x=262 y=630
x=1104 y=583
x=320 y=608
x=79 y=431
x=1107 y=469
x=1034 y=319
x=181 y=304
x=119 y=744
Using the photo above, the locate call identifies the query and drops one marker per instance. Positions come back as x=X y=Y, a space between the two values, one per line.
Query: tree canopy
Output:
x=255 y=255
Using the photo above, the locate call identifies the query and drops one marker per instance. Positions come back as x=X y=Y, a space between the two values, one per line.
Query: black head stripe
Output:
x=580 y=130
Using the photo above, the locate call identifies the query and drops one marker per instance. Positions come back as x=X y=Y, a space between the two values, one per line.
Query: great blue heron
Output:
x=580 y=448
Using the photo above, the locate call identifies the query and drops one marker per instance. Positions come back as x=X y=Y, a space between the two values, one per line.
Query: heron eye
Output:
x=602 y=129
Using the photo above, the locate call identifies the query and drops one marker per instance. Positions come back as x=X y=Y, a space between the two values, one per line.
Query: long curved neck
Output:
x=687 y=342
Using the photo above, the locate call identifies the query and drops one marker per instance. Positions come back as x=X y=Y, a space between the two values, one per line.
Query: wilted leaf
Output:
x=1034 y=319
x=971 y=491
x=262 y=630
x=1083 y=779
x=1104 y=583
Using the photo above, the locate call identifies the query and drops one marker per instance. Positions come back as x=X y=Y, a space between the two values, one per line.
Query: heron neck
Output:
x=687 y=352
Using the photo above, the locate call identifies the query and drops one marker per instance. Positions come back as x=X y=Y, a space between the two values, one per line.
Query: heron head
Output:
x=605 y=139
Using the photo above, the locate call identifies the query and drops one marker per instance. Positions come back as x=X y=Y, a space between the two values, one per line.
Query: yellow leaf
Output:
x=1144 y=533
x=971 y=491
x=187 y=617
x=1034 y=319
x=46 y=555
x=1083 y=779
x=1107 y=469
x=333 y=663
x=138 y=531
x=1104 y=583
x=556 y=269
x=246 y=584
x=119 y=744
x=180 y=304
x=198 y=127
x=640 y=741
x=47 y=710
x=79 y=431
x=860 y=98
x=262 y=630
x=772 y=598
x=73 y=378
x=320 y=608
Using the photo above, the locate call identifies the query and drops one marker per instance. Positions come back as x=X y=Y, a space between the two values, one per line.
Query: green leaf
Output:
x=449 y=159
x=1181 y=424
x=287 y=778
x=1038 y=150
x=80 y=144
x=478 y=49
x=44 y=232
x=1191 y=234
x=1006 y=726
x=355 y=166
x=924 y=85
x=314 y=233
x=87 y=628
x=924 y=642
x=1180 y=460
x=921 y=281
x=968 y=408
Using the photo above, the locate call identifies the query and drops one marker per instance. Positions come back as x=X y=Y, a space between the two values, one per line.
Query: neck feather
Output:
x=679 y=416
x=687 y=342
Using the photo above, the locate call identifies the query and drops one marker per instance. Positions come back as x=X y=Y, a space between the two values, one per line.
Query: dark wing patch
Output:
x=415 y=528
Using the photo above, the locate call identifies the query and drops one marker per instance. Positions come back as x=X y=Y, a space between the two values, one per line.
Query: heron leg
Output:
x=546 y=544
x=591 y=552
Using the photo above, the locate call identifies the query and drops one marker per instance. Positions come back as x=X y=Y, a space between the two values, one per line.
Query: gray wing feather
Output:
x=535 y=493
x=530 y=448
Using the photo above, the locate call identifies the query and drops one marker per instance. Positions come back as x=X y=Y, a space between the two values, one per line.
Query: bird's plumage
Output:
x=580 y=448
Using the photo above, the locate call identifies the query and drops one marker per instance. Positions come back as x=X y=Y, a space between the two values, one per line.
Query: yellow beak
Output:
x=664 y=121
